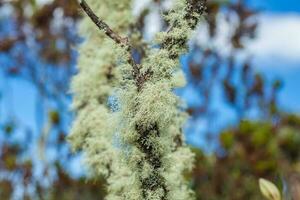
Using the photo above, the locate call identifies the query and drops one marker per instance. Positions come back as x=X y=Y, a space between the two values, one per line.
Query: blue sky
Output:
x=276 y=5
x=276 y=53
x=282 y=19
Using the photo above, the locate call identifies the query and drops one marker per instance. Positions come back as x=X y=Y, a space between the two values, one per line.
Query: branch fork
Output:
x=122 y=41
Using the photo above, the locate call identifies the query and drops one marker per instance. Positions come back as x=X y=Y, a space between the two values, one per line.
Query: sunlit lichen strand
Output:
x=93 y=129
x=151 y=116
x=140 y=147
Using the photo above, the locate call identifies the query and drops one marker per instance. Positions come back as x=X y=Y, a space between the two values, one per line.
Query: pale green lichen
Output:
x=93 y=130
x=150 y=156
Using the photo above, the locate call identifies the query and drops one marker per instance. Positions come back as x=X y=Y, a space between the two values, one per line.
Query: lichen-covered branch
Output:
x=148 y=124
x=152 y=116
x=123 y=41
x=93 y=129
x=102 y=25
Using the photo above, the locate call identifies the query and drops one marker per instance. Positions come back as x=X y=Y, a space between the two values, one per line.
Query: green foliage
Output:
x=250 y=151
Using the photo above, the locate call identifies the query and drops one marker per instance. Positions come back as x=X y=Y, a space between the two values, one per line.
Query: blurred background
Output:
x=243 y=97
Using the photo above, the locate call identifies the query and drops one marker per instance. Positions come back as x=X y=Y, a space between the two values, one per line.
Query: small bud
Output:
x=269 y=190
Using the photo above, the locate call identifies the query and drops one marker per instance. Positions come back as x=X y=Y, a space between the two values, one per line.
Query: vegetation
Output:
x=144 y=156
x=120 y=108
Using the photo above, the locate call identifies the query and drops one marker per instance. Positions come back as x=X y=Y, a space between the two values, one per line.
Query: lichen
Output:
x=150 y=157
x=93 y=129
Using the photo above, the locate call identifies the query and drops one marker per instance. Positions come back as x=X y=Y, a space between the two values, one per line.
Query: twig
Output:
x=102 y=25
x=123 y=41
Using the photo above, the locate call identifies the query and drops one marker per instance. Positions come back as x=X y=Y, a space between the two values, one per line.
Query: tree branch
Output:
x=102 y=25
x=123 y=41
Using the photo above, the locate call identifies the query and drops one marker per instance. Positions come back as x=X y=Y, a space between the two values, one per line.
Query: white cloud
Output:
x=278 y=38
x=41 y=2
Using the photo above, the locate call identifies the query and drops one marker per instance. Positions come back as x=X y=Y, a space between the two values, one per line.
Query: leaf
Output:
x=269 y=190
